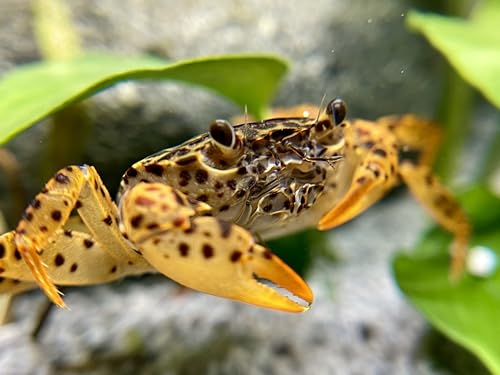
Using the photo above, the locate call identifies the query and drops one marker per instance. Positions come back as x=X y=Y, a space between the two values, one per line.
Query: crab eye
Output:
x=337 y=109
x=222 y=132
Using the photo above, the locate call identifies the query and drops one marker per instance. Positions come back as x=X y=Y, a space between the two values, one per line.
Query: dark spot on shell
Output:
x=235 y=256
x=27 y=216
x=62 y=178
x=152 y=226
x=68 y=233
x=35 y=203
x=183 y=249
x=113 y=269
x=242 y=171
x=224 y=208
x=88 y=243
x=43 y=228
x=208 y=251
x=380 y=152
x=201 y=176
x=78 y=204
x=73 y=267
x=155 y=169
x=17 y=255
x=136 y=221
x=108 y=220
x=2 y=250
x=267 y=254
x=131 y=172
x=59 y=260
x=56 y=215
x=218 y=185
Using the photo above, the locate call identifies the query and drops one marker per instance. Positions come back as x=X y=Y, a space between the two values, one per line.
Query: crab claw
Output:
x=207 y=254
x=222 y=259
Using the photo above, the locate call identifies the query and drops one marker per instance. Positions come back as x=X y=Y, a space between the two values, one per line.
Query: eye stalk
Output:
x=224 y=140
x=222 y=132
x=337 y=109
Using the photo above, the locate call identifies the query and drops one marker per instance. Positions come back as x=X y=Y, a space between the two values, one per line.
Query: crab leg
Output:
x=205 y=253
x=371 y=179
x=71 y=187
x=443 y=207
x=73 y=258
x=416 y=134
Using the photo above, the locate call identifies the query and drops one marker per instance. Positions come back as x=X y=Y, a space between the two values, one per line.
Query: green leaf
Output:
x=32 y=92
x=471 y=46
x=466 y=311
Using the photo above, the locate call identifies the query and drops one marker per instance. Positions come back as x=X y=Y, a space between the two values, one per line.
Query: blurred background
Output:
x=358 y=50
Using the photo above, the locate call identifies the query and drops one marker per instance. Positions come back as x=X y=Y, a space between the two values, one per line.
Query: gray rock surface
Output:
x=359 y=324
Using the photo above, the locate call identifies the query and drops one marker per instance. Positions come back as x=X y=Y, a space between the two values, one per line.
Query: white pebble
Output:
x=482 y=261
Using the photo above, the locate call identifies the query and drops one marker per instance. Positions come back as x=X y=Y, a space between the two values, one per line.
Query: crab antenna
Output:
x=320 y=108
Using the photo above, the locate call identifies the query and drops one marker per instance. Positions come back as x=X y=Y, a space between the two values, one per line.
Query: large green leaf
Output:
x=466 y=311
x=471 y=46
x=34 y=91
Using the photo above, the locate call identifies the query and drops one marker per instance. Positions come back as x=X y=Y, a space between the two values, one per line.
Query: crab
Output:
x=197 y=212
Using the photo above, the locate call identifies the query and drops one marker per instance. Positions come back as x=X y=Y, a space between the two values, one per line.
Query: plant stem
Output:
x=455 y=115
x=57 y=40
x=455 y=110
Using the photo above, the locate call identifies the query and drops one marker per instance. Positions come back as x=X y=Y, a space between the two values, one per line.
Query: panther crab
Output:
x=193 y=212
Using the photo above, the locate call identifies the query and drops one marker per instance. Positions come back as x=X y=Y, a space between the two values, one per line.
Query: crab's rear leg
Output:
x=205 y=253
x=443 y=207
x=71 y=187
x=420 y=140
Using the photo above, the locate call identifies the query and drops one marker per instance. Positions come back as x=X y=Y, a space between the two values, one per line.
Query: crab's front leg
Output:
x=373 y=175
x=44 y=219
x=205 y=253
